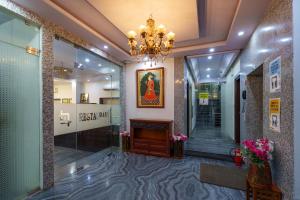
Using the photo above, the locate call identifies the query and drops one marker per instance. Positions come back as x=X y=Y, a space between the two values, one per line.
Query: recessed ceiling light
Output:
x=212 y=50
x=263 y=51
x=268 y=28
x=92 y=49
x=209 y=57
x=107 y=78
x=208 y=69
x=113 y=70
x=65 y=70
x=99 y=65
x=241 y=33
x=287 y=39
x=105 y=47
x=87 y=60
x=88 y=80
x=207 y=76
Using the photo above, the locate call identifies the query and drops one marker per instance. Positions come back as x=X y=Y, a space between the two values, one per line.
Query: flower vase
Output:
x=260 y=175
x=178 y=149
x=125 y=143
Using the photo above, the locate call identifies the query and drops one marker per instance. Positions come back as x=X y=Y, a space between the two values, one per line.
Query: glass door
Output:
x=19 y=108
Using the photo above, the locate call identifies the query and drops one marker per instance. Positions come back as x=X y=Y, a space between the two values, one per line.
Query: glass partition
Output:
x=87 y=103
x=19 y=108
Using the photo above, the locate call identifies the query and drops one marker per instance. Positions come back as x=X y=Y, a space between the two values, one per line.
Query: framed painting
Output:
x=150 y=88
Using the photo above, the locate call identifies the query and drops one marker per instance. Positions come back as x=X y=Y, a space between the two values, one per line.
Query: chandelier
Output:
x=152 y=42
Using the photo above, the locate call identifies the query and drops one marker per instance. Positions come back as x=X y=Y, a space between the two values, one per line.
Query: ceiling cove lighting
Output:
x=212 y=50
x=209 y=57
x=241 y=33
x=151 y=41
x=87 y=60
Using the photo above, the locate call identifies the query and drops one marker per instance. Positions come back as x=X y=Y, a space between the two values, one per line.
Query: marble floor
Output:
x=209 y=140
x=125 y=176
x=65 y=157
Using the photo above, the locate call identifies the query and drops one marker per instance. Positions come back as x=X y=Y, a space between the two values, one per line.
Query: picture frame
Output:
x=84 y=98
x=150 y=88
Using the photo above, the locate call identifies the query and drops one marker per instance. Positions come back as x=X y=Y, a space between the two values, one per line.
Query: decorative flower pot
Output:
x=178 y=149
x=260 y=175
x=126 y=143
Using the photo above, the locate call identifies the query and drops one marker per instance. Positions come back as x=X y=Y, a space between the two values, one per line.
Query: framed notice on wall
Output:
x=274 y=114
x=203 y=98
x=275 y=75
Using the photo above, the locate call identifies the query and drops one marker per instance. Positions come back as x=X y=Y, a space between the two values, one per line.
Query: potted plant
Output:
x=178 y=140
x=258 y=154
x=125 y=135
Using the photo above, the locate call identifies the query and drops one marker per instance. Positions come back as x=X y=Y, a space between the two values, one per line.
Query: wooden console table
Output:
x=256 y=192
x=151 y=137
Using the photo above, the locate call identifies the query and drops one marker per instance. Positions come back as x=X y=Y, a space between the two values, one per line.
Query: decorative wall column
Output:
x=179 y=95
x=47 y=107
x=263 y=47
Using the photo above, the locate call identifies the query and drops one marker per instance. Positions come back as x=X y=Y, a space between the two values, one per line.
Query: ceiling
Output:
x=211 y=68
x=198 y=24
x=67 y=58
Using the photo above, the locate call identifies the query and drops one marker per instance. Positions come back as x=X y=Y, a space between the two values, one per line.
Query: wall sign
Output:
x=203 y=98
x=275 y=75
x=274 y=114
x=69 y=118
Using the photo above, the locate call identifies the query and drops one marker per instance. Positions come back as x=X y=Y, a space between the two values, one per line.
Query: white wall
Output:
x=65 y=90
x=296 y=44
x=227 y=101
x=149 y=113
x=96 y=90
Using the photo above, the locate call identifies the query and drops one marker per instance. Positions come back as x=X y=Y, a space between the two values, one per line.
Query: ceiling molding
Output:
x=202 y=17
x=79 y=22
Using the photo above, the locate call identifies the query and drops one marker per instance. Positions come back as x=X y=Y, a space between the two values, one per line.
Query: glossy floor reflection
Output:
x=209 y=140
x=131 y=176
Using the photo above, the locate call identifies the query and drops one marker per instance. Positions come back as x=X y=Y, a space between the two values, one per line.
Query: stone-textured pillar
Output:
x=179 y=119
x=123 y=99
x=47 y=107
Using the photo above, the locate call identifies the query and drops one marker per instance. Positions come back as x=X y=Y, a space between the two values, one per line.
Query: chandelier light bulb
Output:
x=131 y=34
x=142 y=29
x=170 y=36
x=161 y=29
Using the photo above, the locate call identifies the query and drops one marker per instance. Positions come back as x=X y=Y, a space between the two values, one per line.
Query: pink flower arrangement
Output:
x=258 y=151
x=125 y=133
x=179 y=137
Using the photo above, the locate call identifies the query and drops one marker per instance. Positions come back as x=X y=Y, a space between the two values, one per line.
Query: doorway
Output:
x=189 y=109
x=237 y=110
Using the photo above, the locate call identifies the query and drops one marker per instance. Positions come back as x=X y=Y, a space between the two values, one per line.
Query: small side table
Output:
x=261 y=192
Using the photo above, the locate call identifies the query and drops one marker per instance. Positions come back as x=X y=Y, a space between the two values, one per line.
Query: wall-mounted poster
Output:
x=203 y=98
x=275 y=75
x=274 y=114
x=150 y=88
x=84 y=98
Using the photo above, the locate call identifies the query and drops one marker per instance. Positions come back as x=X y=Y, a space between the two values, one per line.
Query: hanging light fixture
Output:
x=152 y=42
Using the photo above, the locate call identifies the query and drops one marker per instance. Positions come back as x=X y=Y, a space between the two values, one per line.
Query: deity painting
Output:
x=150 y=88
